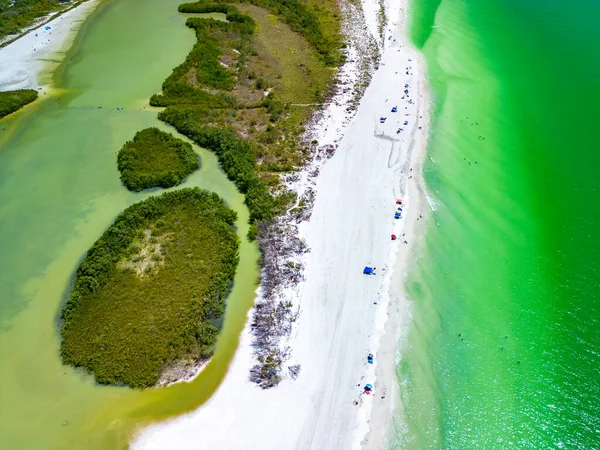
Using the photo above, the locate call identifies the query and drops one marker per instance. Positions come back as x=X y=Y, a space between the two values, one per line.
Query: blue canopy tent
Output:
x=368 y=270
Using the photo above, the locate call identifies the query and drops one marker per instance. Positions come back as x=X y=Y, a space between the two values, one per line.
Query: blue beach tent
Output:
x=368 y=270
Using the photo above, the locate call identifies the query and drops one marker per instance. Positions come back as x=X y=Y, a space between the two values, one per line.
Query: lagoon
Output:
x=59 y=190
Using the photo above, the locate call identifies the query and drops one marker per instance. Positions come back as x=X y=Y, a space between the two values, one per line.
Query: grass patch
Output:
x=155 y=159
x=246 y=91
x=11 y=101
x=149 y=290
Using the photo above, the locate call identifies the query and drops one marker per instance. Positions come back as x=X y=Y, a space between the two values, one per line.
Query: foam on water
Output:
x=503 y=346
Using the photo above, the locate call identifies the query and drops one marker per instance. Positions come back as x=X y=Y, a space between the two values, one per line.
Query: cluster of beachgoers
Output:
x=25 y=62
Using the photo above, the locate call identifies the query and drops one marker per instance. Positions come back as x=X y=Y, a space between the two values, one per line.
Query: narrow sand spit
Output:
x=343 y=313
x=24 y=62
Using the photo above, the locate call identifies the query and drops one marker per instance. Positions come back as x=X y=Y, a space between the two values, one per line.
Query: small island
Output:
x=11 y=101
x=149 y=293
x=155 y=159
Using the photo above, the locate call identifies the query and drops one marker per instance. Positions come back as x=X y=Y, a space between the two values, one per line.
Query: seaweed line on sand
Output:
x=283 y=252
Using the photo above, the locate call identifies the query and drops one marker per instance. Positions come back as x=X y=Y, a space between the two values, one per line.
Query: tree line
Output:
x=18 y=14
x=11 y=101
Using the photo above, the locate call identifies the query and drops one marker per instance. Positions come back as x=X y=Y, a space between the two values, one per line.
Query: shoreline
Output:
x=38 y=24
x=331 y=335
x=26 y=59
x=396 y=326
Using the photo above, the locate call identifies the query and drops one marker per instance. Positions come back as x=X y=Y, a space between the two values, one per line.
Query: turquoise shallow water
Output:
x=504 y=351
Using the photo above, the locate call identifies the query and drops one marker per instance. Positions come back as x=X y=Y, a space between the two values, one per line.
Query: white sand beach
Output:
x=25 y=63
x=343 y=313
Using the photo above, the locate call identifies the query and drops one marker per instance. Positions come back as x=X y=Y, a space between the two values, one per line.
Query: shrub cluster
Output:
x=202 y=68
x=200 y=100
x=190 y=108
x=125 y=329
x=236 y=156
x=18 y=14
x=245 y=23
x=155 y=159
x=11 y=101
x=297 y=16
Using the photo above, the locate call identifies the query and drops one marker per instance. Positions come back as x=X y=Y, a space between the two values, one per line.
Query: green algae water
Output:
x=504 y=350
x=59 y=190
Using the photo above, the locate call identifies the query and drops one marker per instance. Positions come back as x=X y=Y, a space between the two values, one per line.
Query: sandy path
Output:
x=339 y=323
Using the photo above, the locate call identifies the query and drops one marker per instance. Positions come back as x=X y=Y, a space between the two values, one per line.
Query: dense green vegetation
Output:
x=236 y=157
x=245 y=92
x=149 y=290
x=18 y=14
x=298 y=17
x=155 y=159
x=11 y=101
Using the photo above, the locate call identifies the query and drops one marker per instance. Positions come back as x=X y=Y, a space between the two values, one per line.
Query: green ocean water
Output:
x=504 y=348
x=59 y=190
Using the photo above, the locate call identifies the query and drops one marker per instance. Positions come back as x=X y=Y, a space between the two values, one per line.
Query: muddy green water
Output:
x=59 y=189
